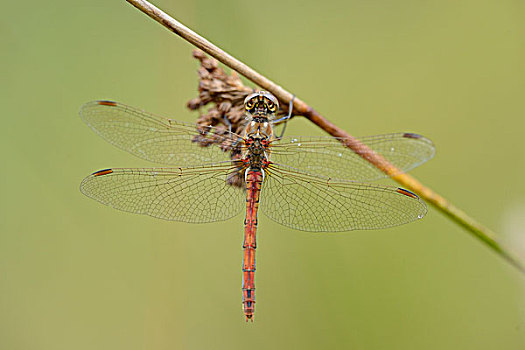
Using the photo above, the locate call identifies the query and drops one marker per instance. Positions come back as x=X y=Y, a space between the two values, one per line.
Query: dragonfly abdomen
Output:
x=254 y=180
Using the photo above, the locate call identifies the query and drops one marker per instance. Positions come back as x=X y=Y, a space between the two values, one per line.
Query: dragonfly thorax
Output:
x=259 y=127
x=256 y=152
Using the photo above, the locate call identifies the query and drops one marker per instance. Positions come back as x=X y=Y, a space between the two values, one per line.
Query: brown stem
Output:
x=301 y=108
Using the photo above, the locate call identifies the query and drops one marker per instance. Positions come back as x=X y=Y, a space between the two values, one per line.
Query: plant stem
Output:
x=482 y=233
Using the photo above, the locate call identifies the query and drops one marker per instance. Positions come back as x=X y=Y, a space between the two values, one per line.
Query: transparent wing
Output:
x=150 y=137
x=195 y=195
x=327 y=157
x=309 y=203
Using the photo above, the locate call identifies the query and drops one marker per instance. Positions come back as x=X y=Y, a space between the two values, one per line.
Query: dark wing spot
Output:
x=107 y=103
x=410 y=135
x=102 y=172
x=407 y=193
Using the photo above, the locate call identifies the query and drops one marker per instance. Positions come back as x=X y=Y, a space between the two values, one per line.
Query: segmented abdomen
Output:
x=254 y=180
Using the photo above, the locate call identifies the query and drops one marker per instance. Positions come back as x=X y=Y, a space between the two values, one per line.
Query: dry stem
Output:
x=301 y=108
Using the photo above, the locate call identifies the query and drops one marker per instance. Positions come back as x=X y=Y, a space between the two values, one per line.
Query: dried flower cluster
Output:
x=226 y=93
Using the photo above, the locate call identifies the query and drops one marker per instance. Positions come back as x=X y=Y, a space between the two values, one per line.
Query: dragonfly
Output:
x=311 y=184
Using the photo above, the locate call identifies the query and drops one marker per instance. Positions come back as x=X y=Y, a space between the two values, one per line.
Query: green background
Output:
x=77 y=275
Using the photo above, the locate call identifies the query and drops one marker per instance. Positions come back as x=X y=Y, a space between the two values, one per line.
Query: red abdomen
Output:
x=254 y=180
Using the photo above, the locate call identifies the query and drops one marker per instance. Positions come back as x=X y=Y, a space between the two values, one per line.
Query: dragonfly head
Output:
x=261 y=103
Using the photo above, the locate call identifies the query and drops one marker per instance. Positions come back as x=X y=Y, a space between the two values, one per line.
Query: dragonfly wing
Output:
x=326 y=156
x=304 y=202
x=196 y=195
x=150 y=137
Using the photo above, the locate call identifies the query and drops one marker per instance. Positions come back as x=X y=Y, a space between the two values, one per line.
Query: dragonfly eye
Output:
x=271 y=102
x=263 y=100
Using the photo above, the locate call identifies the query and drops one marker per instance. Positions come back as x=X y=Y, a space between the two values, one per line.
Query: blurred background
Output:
x=75 y=274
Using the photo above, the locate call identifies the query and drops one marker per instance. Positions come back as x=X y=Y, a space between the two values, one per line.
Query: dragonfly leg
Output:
x=285 y=119
x=232 y=142
x=229 y=124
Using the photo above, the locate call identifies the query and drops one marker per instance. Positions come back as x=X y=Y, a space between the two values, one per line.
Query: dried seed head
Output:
x=226 y=94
